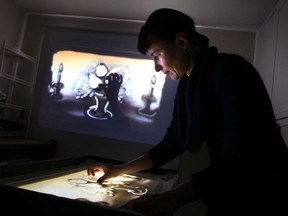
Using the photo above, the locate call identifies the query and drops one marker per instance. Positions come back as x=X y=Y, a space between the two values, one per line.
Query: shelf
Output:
x=12 y=134
x=10 y=51
x=15 y=52
x=13 y=106
x=14 y=149
x=16 y=73
x=17 y=80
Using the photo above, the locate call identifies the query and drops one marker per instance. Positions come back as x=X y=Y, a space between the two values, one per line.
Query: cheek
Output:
x=164 y=63
x=168 y=61
x=171 y=57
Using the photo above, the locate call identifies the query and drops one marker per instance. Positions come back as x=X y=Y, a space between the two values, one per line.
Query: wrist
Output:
x=121 y=169
x=139 y=164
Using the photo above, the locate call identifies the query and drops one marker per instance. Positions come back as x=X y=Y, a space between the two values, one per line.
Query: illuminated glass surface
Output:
x=114 y=192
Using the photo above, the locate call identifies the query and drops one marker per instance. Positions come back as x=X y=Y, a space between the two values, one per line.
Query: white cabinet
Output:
x=280 y=86
x=265 y=51
x=271 y=59
x=16 y=90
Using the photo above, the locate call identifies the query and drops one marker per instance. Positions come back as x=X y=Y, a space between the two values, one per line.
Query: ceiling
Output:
x=231 y=14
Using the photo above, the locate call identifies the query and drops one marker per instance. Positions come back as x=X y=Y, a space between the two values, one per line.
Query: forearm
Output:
x=115 y=107
x=141 y=163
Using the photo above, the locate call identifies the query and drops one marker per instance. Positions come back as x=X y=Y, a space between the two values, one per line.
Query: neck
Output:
x=193 y=57
x=190 y=65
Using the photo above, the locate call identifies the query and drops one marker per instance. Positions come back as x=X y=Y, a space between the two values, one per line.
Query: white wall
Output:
x=271 y=61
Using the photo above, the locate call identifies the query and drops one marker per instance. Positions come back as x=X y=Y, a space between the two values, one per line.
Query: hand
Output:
x=109 y=171
x=111 y=86
x=154 y=204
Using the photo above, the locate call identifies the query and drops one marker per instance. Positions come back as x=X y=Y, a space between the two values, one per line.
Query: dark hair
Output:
x=165 y=24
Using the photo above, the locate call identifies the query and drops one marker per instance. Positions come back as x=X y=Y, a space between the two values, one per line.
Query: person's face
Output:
x=168 y=58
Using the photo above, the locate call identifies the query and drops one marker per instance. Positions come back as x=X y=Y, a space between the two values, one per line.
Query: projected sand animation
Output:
x=110 y=186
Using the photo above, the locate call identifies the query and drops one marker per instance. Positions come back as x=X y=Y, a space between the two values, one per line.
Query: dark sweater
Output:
x=224 y=104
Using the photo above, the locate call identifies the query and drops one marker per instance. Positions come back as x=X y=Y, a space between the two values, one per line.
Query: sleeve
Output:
x=247 y=118
x=169 y=148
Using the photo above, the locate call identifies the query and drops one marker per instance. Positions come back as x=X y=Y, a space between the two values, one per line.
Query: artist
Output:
x=221 y=102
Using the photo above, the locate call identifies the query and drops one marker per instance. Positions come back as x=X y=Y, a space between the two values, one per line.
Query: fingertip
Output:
x=100 y=180
x=90 y=172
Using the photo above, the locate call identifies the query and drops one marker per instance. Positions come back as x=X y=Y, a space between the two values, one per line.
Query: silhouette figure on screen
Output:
x=148 y=100
x=100 y=109
x=55 y=87
x=104 y=86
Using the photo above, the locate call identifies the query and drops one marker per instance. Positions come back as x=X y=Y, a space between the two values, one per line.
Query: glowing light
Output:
x=114 y=192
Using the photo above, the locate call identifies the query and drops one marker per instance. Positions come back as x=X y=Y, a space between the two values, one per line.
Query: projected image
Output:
x=98 y=77
x=76 y=99
x=78 y=76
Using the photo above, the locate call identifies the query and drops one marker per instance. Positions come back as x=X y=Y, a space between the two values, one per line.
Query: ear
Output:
x=182 y=40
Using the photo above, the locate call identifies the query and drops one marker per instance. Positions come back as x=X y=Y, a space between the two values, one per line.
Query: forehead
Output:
x=155 y=46
x=152 y=49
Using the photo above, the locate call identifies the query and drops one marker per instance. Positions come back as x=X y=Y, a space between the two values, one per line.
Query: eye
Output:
x=156 y=56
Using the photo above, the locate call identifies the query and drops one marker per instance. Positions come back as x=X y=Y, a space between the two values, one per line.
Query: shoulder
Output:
x=233 y=66
x=234 y=73
x=232 y=60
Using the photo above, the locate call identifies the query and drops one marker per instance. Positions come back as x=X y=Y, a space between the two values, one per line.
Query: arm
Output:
x=111 y=88
x=242 y=100
x=141 y=163
x=160 y=154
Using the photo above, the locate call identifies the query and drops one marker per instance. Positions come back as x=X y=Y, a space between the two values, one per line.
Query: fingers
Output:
x=115 y=77
x=102 y=179
x=104 y=171
x=93 y=169
x=90 y=171
x=119 y=78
